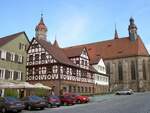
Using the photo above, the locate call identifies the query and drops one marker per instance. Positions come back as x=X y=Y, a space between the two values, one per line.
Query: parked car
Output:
x=11 y=104
x=32 y=102
x=79 y=98
x=67 y=100
x=53 y=101
x=124 y=92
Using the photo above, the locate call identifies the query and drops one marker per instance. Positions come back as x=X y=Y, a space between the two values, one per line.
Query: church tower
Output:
x=41 y=30
x=132 y=30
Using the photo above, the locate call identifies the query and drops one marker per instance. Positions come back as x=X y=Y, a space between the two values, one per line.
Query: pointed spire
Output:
x=55 y=42
x=116 y=33
x=41 y=21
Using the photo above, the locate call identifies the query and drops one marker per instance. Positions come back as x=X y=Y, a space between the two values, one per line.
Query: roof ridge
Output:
x=96 y=42
x=13 y=34
x=4 y=40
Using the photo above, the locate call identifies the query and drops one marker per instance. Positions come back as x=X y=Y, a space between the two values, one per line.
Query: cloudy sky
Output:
x=76 y=21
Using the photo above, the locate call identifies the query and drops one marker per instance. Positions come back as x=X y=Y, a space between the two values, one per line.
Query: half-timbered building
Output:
x=53 y=66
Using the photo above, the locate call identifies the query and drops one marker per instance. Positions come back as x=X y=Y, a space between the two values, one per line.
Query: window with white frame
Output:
x=2 y=73
x=19 y=75
x=3 y=54
x=20 y=59
x=11 y=74
x=12 y=56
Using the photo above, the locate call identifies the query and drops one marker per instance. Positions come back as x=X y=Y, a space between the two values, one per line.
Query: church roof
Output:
x=6 y=39
x=111 y=49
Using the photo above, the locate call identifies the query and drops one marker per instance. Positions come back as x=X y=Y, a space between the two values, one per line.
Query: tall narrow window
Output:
x=15 y=75
x=49 y=69
x=144 y=70
x=70 y=89
x=7 y=74
x=2 y=72
x=8 y=56
x=133 y=72
x=79 y=89
x=36 y=71
x=108 y=68
x=120 y=71
x=16 y=58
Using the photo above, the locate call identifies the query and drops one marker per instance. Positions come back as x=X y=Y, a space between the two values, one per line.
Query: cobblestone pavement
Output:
x=136 y=103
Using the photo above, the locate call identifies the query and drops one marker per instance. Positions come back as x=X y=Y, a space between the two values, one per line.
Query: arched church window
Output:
x=149 y=66
x=144 y=70
x=108 y=68
x=133 y=72
x=120 y=71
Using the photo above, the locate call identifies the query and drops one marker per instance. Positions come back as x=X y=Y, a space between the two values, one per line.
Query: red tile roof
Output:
x=73 y=51
x=6 y=39
x=58 y=53
x=110 y=49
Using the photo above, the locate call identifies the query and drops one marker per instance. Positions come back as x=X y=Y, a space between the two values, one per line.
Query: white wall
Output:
x=101 y=79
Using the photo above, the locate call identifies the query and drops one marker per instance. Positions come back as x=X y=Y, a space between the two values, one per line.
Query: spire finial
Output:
x=41 y=14
x=41 y=18
x=116 y=33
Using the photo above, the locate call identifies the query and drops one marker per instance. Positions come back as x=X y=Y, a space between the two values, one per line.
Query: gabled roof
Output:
x=56 y=52
x=6 y=39
x=111 y=49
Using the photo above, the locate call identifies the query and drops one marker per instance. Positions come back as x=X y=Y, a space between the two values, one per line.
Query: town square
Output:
x=74 y=56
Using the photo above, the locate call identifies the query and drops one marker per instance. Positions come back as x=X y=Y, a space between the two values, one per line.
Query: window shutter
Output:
x=21 y=76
